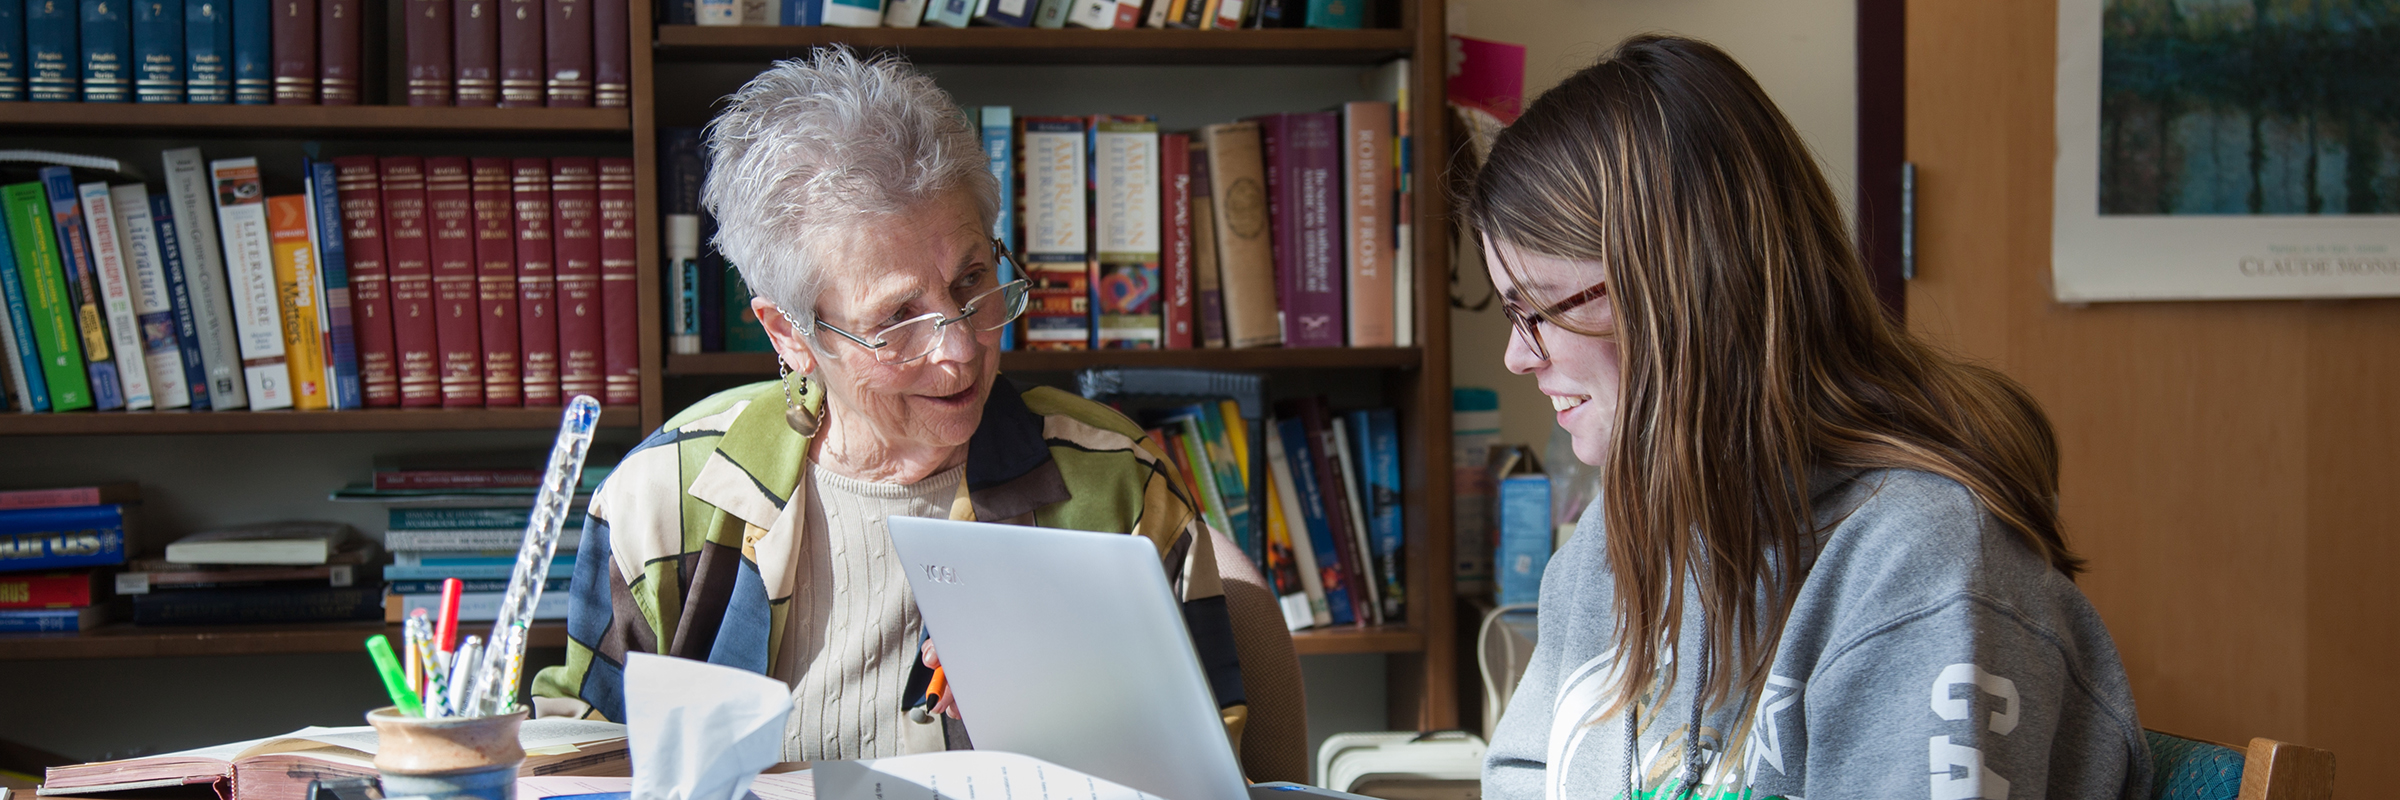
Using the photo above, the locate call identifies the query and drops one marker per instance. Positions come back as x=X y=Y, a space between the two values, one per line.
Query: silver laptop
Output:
x=1069 y=647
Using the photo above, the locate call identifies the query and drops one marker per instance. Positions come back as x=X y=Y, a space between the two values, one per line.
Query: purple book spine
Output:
x=1314 y=308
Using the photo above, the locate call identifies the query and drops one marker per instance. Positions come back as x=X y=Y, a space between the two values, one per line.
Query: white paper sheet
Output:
x=962 y=775
x=787 y=786
x=700 y=731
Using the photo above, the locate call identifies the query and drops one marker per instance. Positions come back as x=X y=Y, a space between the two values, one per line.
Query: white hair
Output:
x=813 y=147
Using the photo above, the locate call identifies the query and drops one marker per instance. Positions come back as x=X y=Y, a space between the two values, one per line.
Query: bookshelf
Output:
x=1421 y=654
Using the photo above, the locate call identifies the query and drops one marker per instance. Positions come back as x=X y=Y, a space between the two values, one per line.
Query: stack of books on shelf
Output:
x=1093 y=14
x=510 y=53
x=276 y=572
x=1290 y=229
x=56 y=548
x=479 y=547
x=392 y=281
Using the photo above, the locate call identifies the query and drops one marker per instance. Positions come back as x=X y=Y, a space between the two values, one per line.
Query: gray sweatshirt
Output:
x=1930 y=653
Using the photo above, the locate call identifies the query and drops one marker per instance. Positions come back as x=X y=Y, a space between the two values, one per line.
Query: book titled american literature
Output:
x=1056 y=234
x=157 y=51
x=207 y=52
x=195 y=378
x=1368 y=172
x=334 y=315
x=457 y=308
x=567 y=53
x=1125 y=231
x=67 y=224
x=106 y=36
x=338 y=51
x=620 y=274
x=250 y=274
x=253 y=52
x=358 y=186
x=296 y=301
x=475 y=52
x=151 y=296
x=1175 y=257
x=428 y=34
x=49 y=312
x=575 y=231
x=62 y=538
x=496 y=281
x=189 y=195
x=521 y=54
x=295 y=47
x=408 y=250
x=112 y=268
x=68 y=496
x=1245 y=253
x=537 y=282
x=53 y=67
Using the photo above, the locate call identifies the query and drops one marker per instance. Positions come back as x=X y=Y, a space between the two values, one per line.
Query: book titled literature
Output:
x=48 y=311
x=521 y=53
x=295 y=46
x=1245 y=254
x=296 y=301
x=457 y=307
x=250 y=273
x=150 y=296
x=207 y=52
x=1125 y=229
x=111 y=267
x=621 y=338
x=1175 y=259
x=106 y=34
x=358 y=186
x=61 y=538
x=189 y=194
x=67 y=224
x=1056 y=240
x=575 y=231
x=334 y=315
x=496 y=281
x=408 y=249
x=195 y=378
x=567 y=53
x=157 y=51
x=428 y=34
x=338 y=56
x=537 y=285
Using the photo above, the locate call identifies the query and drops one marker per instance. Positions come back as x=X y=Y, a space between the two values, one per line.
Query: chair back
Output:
x=2195 y=769
x=1275 y=741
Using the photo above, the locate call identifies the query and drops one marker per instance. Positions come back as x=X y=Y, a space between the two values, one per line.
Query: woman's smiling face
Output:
x=1581 y=374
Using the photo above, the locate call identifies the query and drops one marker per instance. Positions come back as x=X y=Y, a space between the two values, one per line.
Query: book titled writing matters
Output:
x=62 y=538
x=296 y=301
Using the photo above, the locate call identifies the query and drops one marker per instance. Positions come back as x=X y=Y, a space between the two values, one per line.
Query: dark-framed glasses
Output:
x=917 y=337
x=1528 y=323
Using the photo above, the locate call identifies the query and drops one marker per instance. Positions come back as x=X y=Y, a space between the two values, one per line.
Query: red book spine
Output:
x=293 y=34
x=575 y=228
x=1175 y=269
x=496 y=282
x=621 y=336
x=408 y=248
x=612 y=54
x=71 y=496
x=567 y=52
x=359 y=187
x=450 y=201
x=429 y=35
x=537 y=288
x=521 y=54
x=46 y=590
x=338 y=52
x=475 y=52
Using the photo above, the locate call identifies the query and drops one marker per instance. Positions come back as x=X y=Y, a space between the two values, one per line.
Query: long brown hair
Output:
x=1753 y=350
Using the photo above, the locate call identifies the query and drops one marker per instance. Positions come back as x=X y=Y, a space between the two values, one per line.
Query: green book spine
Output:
x=38 y=265
x=1195 y=448
x=1228 y=475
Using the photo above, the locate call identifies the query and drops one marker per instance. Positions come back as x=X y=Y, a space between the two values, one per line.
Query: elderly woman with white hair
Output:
x=750 y=530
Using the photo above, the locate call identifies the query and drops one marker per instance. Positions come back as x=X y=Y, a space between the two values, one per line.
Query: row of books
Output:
x=1093 y=14
x=478 y=546
x=388 y=281
x=510 y=53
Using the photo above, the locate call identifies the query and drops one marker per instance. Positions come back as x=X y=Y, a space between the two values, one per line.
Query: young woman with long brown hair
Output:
x=1826 y=559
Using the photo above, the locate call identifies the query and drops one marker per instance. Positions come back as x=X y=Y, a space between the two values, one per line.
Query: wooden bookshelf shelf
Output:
x=369 y=419
x=285 y=121
x=1265 y=358
x=1378 y=639
x=127 y=641
x=1041 y=45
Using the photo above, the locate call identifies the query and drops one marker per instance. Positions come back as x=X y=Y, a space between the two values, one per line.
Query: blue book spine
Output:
x=333 y=263
x=48 y=620
x=20 y=324
x=207 y=52
x=999 y=147
x=559 y=569
x=83 y=287
x=157 y=51
x=179 y=292
x=12 y=51
x=1524 y=537
x=1378 y=432
x=57 y=538
x=253 y=52
x=51 y=72
x=798 y=12
x=107 y=38
x=683 y=12
x=1007 y=13
x=1345 y=14
x=1297 y=449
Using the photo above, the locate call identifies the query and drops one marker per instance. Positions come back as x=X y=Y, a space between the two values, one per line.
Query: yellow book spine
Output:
x=295 y=293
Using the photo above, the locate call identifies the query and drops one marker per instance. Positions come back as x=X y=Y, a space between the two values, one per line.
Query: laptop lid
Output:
x=1069 y=646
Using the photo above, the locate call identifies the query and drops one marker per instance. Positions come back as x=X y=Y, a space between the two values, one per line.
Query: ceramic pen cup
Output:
x=447 y=758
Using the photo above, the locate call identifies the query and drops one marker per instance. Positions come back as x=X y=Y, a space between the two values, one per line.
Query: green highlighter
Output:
x=393 y=681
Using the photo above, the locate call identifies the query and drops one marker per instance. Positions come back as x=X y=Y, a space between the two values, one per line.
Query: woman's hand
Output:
x=943 y=702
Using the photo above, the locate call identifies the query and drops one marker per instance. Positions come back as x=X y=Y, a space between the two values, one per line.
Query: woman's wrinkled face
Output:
x=892 y=269
x=1580 y=374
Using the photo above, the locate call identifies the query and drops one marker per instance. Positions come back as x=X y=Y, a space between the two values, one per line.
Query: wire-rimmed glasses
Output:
x=917 y=337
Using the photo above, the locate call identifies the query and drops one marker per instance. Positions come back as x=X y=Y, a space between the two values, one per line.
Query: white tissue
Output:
x=700 y=731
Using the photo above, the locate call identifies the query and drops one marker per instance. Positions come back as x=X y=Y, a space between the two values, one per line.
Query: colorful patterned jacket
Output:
x=689 y=546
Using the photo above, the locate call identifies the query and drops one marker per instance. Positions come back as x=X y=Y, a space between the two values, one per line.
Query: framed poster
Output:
x=2220 y=149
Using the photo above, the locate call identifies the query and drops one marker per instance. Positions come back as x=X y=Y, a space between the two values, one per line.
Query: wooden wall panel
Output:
x=2226 y=465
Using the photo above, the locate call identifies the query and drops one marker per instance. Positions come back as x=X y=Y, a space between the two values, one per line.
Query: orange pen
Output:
x=935 y=687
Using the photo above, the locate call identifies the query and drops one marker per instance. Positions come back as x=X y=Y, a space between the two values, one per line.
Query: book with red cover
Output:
x=496 y=281
x=358 y=185
x=475 y=52
x=104 y=494
x=408 y=249
x=458 y=339
x=338 y=52
x=575 y=239
x=521 y=54
x=49 y=589
x=1303 y=158
x=567 y=53
x=1175 y=262
x=612 y=54
x=429 y=33
x=293 y=34
x=621 y=337
x=537 y=282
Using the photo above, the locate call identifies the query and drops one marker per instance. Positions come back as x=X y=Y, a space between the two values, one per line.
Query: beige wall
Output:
x=1800 y=50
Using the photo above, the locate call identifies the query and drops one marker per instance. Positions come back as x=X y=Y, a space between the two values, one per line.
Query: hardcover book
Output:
x=612 y=54
x=263 y=543
x=296 y=283
x=1367 y=196
x=106 y=34
x=1303 y=160
x=1377 y=432
x=12 y=52
x=1284 y=508
x=103 y=494
x=62 y=538
x=575 y=232
x=428 y=46
x=1175 y=257
x=295 y=32
x=250 y=273
x=169 y=246
x=457 y=307
x=334 y=315
x=1315 y=505
x=408 y=250
x=253 y=52
x=1342 y=455
x=1245 y=255
x=67 y=225
x=207 y=52
x=338 y=51
x=496 y=281
x=189 y=195
x=621 y=339
x=521 y=54
x=50 y=314
x=999 y=148
x=150 y=296
x=112 y=270
x=567 y=53
x=52 y=620
x=49 y=590
x=358 y=186
x=1125 y=229
x=1207 y=298
x=24 y=365
x=157 y=51
x=537 y=288
x=256 y=605
x=1056 y=240
x=54 y=72
x=475 y=52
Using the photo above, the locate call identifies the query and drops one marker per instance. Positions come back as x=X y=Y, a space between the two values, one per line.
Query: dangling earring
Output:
x=801 y=420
